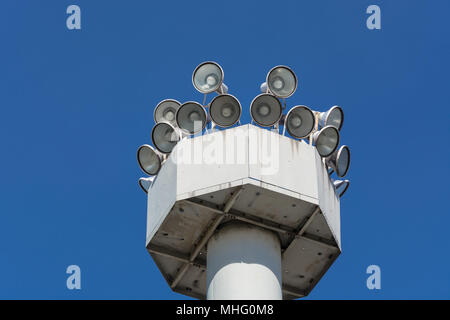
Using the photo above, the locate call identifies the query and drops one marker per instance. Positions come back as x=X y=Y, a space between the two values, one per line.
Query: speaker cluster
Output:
x=322 y=129
x=175 y=120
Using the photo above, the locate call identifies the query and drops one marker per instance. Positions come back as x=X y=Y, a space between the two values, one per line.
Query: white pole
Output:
x=243 y=263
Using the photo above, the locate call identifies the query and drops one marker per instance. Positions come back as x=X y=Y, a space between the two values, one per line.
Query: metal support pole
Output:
x=244 y=262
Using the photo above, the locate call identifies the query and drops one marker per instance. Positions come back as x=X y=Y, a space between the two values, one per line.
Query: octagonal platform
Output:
x=252 y=175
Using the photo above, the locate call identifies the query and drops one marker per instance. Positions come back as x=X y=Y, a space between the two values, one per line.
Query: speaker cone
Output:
x=164 y=137
x=207 y=77
x=333 y=117
x=281 y=81
x=266 y=110
x=148 y=160
x=300 y=121
x=326 y=140
x=191 y=117
x=225 y=110
x=166 y=111
x=340 y=161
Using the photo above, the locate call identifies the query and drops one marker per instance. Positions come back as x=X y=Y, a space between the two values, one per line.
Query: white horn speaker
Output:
x=164 y=137
x=333 y=117
x=341 y=186
x=166 y=111
x=300 y=122
x=339 y=161
x=281 y=82
x=191 y=117
x=266 y=110
x=225 y=110
x=326 y=140
x=148 y=160
x=207 y=77
x=146 y=183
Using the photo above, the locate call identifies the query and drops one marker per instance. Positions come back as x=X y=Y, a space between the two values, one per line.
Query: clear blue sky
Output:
x=75 y=105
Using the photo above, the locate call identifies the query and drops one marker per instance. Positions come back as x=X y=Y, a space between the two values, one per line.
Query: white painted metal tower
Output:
x=243 y=212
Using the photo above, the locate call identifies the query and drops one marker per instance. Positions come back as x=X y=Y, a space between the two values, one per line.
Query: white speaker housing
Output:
x=326 y=140
x=341 y=185
x=166 y=110
x=189 y=115
x=146 y=183
x=300 y=122
x=208 y=77
x=339 y=161
x=149 y=160
x=225 y=110
x=165 y=137
x=266 y=110
x=333 y=117
x=281 y=82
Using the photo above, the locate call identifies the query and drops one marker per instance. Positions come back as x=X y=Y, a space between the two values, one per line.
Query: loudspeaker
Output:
x=339 y=161
x=333 y=117
x=164 y=137
x=326 y=140
x=207 y=77
x=281 y=82
x=225 y=110
x=166 y=111
x=266 y=110
x=146 y=183
x=148 y=160
x=191 y=117
x=300 y=122
x=341 y=186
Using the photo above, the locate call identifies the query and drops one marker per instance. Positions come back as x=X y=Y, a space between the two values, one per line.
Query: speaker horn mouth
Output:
x=166 y=110
x=207 y=77
x=300 y=122
x=339 y=161
x=191 y=117
x=266 y=110
x=342 y=161
x=326 y=140
x=281 y=81
x=164 y=137
x=333 y=117
x=225 y=110
x=148 y=159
